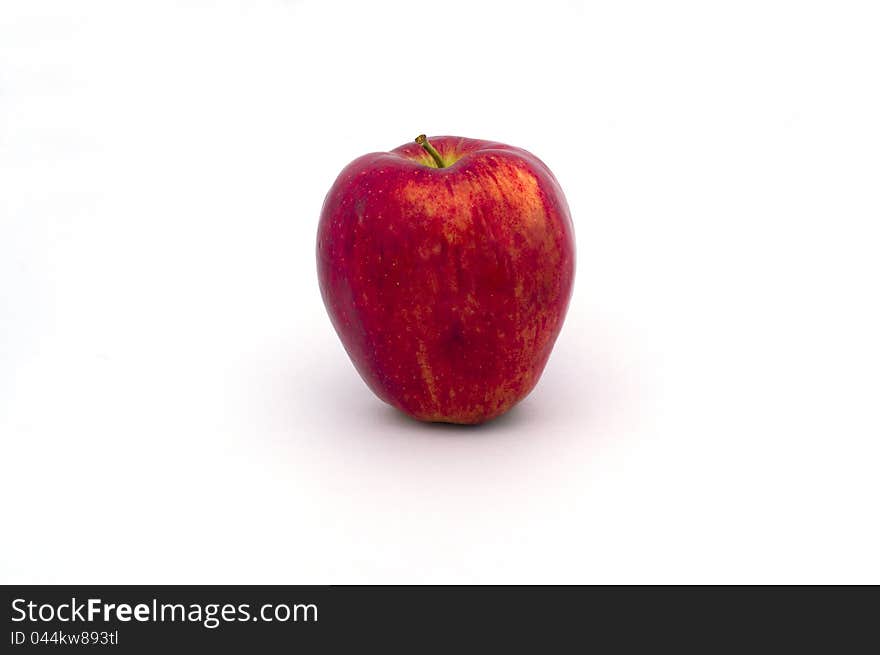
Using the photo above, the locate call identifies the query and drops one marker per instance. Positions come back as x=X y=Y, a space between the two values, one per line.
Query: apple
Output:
x=446 y=266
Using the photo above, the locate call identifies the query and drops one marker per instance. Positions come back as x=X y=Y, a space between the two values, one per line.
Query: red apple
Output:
x=446 y=267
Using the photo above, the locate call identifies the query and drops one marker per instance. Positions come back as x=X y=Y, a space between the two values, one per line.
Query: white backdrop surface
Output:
x=176 y=408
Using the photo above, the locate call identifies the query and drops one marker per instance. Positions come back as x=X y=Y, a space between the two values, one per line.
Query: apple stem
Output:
x=422 y=140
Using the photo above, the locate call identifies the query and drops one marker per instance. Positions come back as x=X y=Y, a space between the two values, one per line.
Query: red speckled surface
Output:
x=448 y=286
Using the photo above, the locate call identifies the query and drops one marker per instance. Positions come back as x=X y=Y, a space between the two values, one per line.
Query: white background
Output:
x=175 y=406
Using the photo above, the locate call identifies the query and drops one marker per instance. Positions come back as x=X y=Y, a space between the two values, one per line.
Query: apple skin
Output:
x=447 y=286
